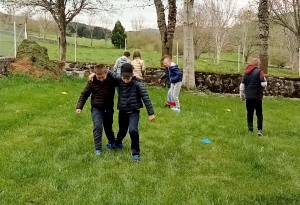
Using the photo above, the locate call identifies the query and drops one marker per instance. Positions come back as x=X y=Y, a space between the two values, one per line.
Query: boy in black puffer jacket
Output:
x=132 y=95
x=102 y=89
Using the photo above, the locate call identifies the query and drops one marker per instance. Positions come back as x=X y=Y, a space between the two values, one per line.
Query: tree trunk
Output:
x=263 y=16
x=63 y=45
x=166 y=32
x=188 y=48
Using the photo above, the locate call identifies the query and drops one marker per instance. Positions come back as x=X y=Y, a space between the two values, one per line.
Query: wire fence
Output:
x=10 y=38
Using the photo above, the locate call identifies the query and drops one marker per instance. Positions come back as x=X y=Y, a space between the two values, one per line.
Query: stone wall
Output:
x=4 y=64
x=205 y=81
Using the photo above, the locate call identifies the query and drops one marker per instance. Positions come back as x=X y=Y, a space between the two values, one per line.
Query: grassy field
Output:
x=108 y=55
x=46 y=152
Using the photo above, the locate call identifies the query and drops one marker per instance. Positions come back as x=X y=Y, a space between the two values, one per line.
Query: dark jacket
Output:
x=253 y=80
x=166 y=76
x=175 y=73
x=102 y=93
x=132 y=95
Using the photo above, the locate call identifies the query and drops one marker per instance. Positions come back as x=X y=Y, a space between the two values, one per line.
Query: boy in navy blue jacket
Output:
x=175 y=76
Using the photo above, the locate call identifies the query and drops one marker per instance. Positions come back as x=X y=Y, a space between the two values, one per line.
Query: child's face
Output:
x=101 y=75
x=126 y=79
x=167 y=62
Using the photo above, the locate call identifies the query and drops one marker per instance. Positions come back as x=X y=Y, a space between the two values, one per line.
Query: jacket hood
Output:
x=124 y=59
x=250 y=68
x=173 y=64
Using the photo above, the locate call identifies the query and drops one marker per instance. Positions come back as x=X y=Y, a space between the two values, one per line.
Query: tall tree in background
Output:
x=62 y=11
x=106 y=23
x=188 y=42
x=166 y=31
x=118 y=35
x=91 y=27
x=287 y=14
x=138 y=23
x=248 y=23
x=221 y=13
x=263 y=18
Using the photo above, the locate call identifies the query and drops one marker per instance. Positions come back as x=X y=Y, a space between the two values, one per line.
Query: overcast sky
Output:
x=149 y=13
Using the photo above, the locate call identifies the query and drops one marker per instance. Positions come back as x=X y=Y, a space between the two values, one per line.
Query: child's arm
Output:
x=146 y=100
x=83 y=97
x=242 y=90
x=163 y=76
x=114 y=76
x=143 y=69
x=116 y=66
x=263 y=80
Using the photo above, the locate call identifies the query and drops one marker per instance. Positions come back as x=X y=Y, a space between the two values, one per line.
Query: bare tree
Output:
x=166 y=31
x=91 y=26
x=188 y=49
x=221 y=13
x=137 y=23
x=63 y=12
x=202 y=30
x=292 y=47
x=263 y=16
x=287 y=14
x=166 y=28
x=106 y=23
x=248 y=22
x=44 y=21
x=27 y=13
x=75 y=24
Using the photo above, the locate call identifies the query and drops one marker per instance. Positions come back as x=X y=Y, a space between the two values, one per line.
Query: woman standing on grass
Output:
x=138 y=65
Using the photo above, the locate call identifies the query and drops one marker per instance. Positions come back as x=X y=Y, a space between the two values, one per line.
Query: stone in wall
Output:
x=206 y=81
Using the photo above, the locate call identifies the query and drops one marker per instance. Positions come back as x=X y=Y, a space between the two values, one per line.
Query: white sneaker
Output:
x=173 y=108
x=176 y=110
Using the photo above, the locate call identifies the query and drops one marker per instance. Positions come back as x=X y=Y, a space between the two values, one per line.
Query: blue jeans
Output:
x=129 y=120
x=102 y=118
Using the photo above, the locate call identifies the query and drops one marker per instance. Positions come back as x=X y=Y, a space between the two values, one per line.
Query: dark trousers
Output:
x=251 y=105
x=129 y=120
x=102 y=118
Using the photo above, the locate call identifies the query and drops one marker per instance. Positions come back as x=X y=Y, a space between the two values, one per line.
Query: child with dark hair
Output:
x=120 y=61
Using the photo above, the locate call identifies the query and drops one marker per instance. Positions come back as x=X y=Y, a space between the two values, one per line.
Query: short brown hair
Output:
x=166 y=56
x=127 y=54
x=100 y=68
x=163 y=58
x=136 y=54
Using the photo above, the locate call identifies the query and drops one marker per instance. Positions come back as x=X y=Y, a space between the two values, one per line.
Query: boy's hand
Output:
x=90 y=77
x=159 y=80
x=137 y=77
x=151 y=118
x=78 y=111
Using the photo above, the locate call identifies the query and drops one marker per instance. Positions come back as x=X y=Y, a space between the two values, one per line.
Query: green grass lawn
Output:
x=46 y=152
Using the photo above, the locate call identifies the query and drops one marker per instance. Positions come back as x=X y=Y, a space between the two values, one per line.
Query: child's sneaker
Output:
x=176 y=110
x=111 y=145
x=119 y=146
x=167 y=105
x=97 y=152
x=259 y=133
x=136 y=158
